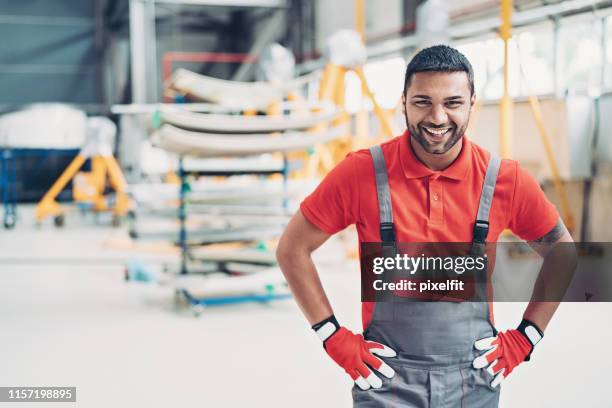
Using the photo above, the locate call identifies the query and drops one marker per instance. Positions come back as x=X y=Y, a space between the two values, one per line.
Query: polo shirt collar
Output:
x=413 y=168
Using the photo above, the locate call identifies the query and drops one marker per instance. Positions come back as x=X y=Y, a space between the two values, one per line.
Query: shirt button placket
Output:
x=436 y=207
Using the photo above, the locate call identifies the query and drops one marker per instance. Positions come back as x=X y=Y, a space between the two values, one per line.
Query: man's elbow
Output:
x=299 y=240
x=572 y=256
x=286 y=250
x=564 y=253
x=282 y=251
x=569 y=249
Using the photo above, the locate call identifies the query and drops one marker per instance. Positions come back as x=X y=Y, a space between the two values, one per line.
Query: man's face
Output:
x=437 y=108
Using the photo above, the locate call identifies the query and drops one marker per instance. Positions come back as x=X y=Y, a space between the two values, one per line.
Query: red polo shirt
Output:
x=428 y=205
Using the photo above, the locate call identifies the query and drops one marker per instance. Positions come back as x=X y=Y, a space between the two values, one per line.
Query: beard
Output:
x=429 y=144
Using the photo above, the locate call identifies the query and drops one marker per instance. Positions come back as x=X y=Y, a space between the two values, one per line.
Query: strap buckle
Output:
x=481 y=230
x=387 y=232
x=386 y=226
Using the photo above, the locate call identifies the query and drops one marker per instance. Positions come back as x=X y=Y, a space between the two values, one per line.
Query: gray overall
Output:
x=434 y=341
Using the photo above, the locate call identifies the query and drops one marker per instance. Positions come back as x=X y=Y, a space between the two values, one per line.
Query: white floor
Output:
x=68 y=319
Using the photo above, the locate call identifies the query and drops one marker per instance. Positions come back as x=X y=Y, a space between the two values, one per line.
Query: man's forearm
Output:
x=303 y=279
x=300 y=239
x=555 y=276
x=558 y=250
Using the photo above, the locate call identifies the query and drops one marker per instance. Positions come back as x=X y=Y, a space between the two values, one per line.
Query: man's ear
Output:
x=473 y=100
x=404 y=103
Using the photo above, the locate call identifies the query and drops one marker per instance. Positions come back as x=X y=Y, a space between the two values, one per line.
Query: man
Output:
x=431 y=184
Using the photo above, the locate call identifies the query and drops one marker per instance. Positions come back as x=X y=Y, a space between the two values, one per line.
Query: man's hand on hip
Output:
x=355 y=354
x=507 y=350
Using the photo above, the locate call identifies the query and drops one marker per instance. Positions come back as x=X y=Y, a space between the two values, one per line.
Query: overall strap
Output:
x=387 y=230
x=481 y=226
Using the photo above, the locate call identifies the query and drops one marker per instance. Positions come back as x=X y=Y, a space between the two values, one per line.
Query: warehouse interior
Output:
x=153 y=151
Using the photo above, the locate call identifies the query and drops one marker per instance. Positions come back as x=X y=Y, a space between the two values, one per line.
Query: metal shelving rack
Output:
x=199 y=303
x=184 y=191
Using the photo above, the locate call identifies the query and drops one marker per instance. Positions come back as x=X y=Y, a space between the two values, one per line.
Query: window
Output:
x=385 y=79
x=608 y=53
x=581 y=56
x=536 y=57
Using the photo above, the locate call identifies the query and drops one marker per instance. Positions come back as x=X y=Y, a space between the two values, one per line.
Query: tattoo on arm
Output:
x=553 y=235
x=545 y=243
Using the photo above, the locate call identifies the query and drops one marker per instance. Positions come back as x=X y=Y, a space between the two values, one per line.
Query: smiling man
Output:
x=431 y=184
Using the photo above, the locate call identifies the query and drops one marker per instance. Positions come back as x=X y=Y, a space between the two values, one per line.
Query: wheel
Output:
x=197 y=310
x=59 y=220
x=9 y=221
x=179 y=302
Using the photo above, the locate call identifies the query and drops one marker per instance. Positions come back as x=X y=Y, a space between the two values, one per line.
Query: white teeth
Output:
x=437 y=132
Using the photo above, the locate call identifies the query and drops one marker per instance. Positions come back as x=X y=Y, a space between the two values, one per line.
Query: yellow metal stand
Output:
x=360 y=18
x=385 y=122
x=332 y=89
x=102 y=166
x=506 y=104
x=505 y=107
x=568 y=217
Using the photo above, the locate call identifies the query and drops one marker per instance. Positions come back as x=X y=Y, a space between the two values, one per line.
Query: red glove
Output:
x=355 y=354
x=507 y=350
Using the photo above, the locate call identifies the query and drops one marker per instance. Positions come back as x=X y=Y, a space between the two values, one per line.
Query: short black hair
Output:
x=439 y=58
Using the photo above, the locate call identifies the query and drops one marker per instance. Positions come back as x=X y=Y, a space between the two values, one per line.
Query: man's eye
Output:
x=421 y=103
x=454 y=104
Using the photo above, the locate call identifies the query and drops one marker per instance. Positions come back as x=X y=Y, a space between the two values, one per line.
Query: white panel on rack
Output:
x=44 y=126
